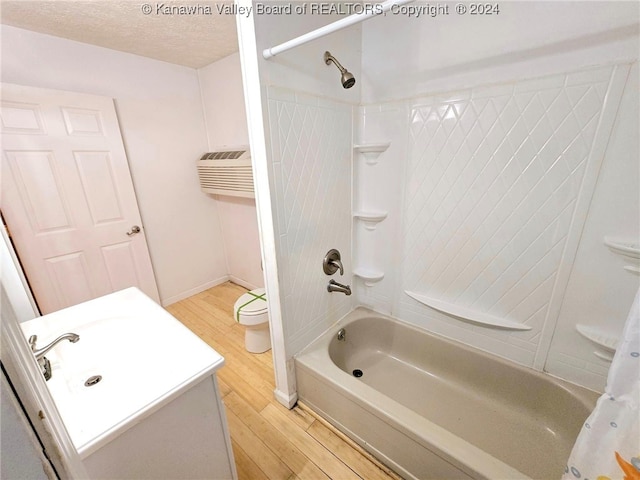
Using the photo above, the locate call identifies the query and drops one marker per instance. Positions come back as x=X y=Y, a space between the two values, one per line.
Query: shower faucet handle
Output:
x=332 y=262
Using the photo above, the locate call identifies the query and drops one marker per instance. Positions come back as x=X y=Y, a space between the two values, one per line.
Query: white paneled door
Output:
x=68 y=197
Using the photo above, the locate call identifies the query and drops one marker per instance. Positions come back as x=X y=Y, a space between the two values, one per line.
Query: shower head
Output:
x=347 y=78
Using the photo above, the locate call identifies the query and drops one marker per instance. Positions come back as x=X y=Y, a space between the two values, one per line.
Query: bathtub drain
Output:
x=357 y=373
x=91 y=381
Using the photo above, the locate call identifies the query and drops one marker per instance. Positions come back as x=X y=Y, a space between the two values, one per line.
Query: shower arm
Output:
x=267 y=53
x=330 y=58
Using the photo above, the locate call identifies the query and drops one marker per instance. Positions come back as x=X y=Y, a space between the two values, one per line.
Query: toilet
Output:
x=251 y=311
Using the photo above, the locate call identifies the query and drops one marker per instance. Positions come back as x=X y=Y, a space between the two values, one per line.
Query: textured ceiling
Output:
x=166 y=33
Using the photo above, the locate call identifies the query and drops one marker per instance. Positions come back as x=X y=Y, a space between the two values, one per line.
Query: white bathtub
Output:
x=431 y=408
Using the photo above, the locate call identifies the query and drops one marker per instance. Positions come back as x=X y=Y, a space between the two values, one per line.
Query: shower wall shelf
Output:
x=370 y=219
x=622 y=247
x=369 y=276
x=467 y=314
x=371 y=151
x=607 y=357
x=366 y=243
x=604 y=340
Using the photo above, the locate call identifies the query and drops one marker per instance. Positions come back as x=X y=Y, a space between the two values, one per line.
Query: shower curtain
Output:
x=608 y=446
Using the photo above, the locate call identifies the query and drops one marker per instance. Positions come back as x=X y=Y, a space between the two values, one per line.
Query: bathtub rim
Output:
x=315 y=360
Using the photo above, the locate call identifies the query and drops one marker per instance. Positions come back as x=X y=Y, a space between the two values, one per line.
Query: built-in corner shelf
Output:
x=632 y=269
x=603 y=340
x=621 y=247
x=606 y=356
x=371 y=151
x=625 y=248
x=369 y=276
x=370 y=219
x=467 y=314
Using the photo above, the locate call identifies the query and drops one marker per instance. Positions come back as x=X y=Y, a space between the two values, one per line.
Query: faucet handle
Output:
x=337 y=264
x=32 y=342
x=332 y=262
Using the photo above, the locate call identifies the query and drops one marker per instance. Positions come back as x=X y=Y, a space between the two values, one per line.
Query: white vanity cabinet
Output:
x=185 y=439
x=137 y=392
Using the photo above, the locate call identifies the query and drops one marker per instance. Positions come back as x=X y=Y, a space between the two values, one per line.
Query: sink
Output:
x=146 y=359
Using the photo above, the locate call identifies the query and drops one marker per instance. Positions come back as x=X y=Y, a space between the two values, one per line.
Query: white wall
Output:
x=223 y=102
x=600 y=291
x=226 y=122
x=404 y=56
x=160 y=112
x=302 y=69
x=309 y=135
x=311 y=167
x=446 y=99
x=494 y=181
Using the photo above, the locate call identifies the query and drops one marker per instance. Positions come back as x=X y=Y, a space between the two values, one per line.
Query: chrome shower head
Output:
x=347 y=78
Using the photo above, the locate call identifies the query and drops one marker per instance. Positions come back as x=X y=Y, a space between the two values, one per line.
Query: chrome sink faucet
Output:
x=45 y=365
x=338 y=287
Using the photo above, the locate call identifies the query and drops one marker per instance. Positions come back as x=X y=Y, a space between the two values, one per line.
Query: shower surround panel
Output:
x=495 y=181
x=311 y=141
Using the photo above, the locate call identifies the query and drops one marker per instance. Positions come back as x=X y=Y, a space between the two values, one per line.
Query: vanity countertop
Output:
x=145 y=356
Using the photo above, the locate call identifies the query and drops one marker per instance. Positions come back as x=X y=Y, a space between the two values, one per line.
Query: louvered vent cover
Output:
x=226 y=172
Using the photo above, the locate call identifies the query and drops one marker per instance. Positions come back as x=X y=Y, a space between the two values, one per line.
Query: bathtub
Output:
x=432 y=408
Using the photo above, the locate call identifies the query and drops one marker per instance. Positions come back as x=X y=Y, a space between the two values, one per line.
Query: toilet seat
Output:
x=251 y=310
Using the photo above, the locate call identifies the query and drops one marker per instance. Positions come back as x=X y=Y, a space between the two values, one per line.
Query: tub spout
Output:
x=43 y=361
x=338 y=287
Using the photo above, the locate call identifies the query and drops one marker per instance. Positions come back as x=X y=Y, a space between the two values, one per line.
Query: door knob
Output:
x=135 y=229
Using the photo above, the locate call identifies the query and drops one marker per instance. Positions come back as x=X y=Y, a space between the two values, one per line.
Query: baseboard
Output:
x=285 y=399
x=242 y=283
x=193 y=291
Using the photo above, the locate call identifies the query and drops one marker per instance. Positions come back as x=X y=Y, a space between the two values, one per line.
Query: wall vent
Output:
x=227 y=172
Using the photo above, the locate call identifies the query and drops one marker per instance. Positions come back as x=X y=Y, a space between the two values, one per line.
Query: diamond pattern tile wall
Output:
x=311 y=141
x=492 y=181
